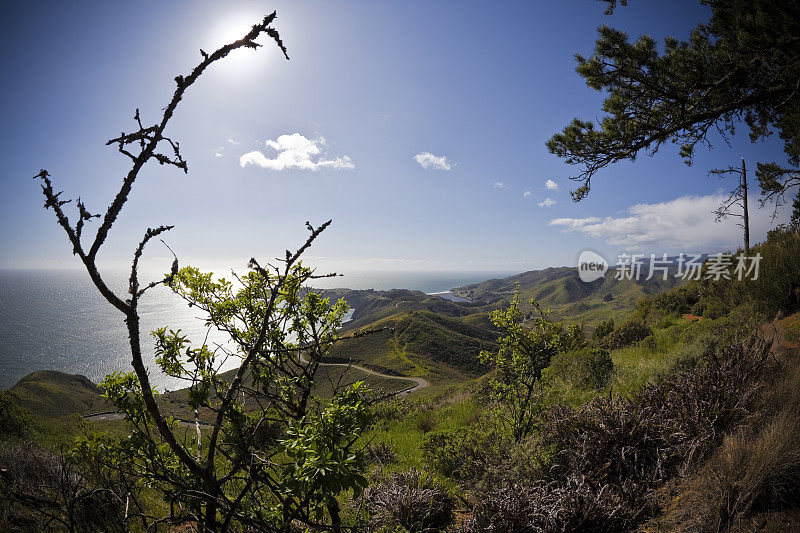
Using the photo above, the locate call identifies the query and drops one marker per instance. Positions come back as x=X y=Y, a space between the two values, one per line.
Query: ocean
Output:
x=56 y=320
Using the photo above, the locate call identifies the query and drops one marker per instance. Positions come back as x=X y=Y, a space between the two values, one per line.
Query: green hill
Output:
x=561 y=290
x=370 y=305
x=50 y=394
x=423 y=343
x=432 y=337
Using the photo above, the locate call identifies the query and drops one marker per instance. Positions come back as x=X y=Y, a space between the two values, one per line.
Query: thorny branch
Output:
x=142 y=146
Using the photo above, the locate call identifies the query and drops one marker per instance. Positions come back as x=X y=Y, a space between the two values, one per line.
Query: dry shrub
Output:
x=380 y=453
x=612 y=454
x=755 y=469
x=40 y=490
x=413 y=500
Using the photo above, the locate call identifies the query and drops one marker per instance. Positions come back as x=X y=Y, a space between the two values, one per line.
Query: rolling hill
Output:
x=428 y=336
x=422 y=343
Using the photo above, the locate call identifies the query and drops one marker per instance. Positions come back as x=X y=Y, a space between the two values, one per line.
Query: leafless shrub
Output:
x=756 y=468
x=380 y=453
x=413 y=500
x=41 y=490
x=611 y=454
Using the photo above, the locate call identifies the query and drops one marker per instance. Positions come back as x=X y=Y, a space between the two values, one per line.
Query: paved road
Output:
x=419 y=383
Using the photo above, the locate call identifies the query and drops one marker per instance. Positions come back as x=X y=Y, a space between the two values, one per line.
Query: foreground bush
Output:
x=43 y=490
x=757 y=468
x=588 y=368
x=611 y=455
x=463 y=453
x=625 y=334
x=413 y=500
x=15 y=420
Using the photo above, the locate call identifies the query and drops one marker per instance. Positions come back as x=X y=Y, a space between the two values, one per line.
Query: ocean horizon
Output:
x=56 y=319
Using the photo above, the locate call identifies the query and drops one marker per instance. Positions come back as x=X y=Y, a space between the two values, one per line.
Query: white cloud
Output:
x=685 y=224
x=527 y=194
x=547 y=202
x=428 y=160
x=233 y=141
x=575 y=223
x=295 y=152
x=551 y=185
x=217 y=154
x=500 y=185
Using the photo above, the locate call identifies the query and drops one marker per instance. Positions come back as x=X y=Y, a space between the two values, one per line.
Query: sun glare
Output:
x=228 y=29
x=232 y=27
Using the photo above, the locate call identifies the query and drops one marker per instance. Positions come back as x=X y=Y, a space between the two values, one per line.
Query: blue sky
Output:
x=370 y=89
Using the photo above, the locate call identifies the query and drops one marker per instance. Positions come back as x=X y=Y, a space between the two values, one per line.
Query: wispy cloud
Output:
x=217 y=154
x=428 y=160
x=575 y=223
x=233 y=141
x=295 y=152
x=547 y=202
x=527 y=194
x=685 y=223
x=500 y=185
x=551 y=185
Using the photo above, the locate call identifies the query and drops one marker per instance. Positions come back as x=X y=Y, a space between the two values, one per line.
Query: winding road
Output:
x=419 y=383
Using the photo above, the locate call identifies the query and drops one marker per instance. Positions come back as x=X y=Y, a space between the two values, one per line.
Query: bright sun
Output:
x=227 y=29
x=232 y=27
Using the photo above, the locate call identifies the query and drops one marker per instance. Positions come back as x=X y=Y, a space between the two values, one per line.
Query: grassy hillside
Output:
x=422 y=343
x=561 y=290
x=370 y=305
x=49 y=394
x=438 y=339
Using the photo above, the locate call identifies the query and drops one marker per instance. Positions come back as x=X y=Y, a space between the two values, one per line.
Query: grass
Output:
x=446 y=408
x=51 y=394
x=406 y=434
x=439 y=348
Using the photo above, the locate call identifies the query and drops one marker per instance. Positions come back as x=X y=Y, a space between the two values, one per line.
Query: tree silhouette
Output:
x=735 y=205
x=742 y=66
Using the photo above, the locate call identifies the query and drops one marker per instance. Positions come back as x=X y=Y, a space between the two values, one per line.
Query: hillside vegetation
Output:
x=431 y=337
x=51 y=394
x=677 y=415
x=421 y=343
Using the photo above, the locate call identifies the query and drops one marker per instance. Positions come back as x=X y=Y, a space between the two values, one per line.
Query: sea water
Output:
x=56 y=320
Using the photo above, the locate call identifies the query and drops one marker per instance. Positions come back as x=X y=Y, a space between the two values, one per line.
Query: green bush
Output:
x=16 y=421
x=676 y=301
x=426 y=422
x=602 y=330
x=464 y=453
x=626 y=334
x=777 y=287
x=588 y=368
